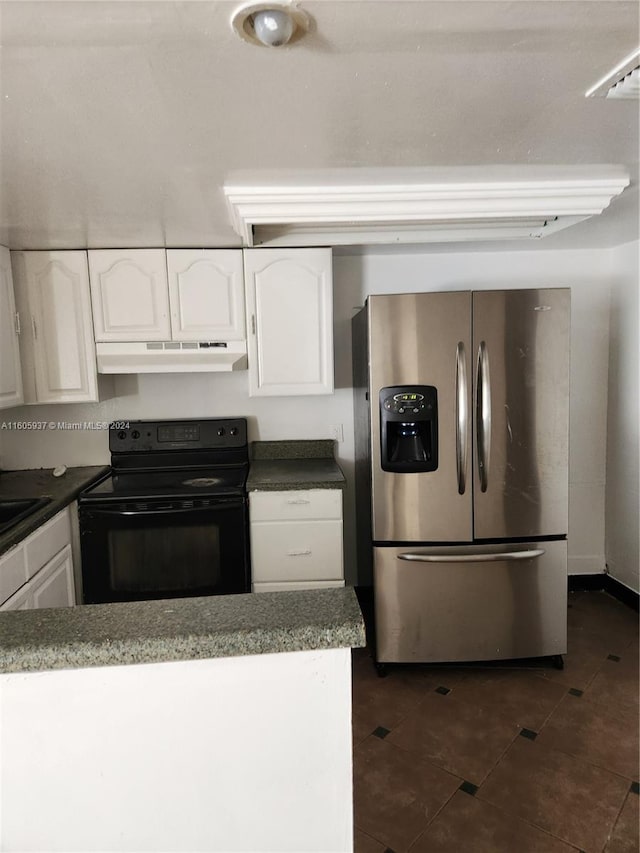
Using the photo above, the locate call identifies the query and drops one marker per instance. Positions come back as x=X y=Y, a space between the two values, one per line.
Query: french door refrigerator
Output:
x=462 y=412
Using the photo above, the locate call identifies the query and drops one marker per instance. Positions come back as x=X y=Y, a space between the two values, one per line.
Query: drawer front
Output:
x=46 y=542
x=294 y=585
x=294 y=505
x=13 y=572
x=305 y=551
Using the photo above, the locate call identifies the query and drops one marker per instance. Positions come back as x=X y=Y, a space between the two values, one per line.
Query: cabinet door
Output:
x=13 y=571
x=21 y=600
x=47 y=541
x=10 y=373
x=206 y=294
x=129 y=294
x=290 y=311
x=53 y=585
x=57 y=341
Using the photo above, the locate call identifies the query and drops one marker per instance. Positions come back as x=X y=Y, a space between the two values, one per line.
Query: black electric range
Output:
x=171 y=517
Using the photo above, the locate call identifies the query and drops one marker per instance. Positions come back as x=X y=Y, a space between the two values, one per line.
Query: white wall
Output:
x=586 y=272
x=233 y=754
x=623 y=435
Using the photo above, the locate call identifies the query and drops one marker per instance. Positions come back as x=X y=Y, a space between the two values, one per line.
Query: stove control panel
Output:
x=158 y=436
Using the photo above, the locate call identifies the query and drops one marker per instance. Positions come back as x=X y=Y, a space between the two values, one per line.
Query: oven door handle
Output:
x=232 y=504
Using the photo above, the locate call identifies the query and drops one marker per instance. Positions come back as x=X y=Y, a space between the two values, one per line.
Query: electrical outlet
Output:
x=336 y=432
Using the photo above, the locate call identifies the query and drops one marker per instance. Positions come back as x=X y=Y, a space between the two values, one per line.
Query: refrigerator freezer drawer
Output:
x=479 y=602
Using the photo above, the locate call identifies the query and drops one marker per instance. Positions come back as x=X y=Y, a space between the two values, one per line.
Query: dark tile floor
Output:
x=504 y=759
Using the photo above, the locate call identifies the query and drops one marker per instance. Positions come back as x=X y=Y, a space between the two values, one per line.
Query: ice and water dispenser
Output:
x=409 y=428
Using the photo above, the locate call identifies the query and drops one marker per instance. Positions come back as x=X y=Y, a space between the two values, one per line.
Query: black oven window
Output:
x=164 y=558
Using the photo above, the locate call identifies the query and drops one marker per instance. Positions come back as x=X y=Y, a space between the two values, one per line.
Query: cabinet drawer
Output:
x=46 y=542
x=290 y=506
x=305 y=551
x=13 y=572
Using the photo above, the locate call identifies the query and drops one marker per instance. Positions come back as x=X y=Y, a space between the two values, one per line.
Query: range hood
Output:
x=361 y=206
x=171 y=357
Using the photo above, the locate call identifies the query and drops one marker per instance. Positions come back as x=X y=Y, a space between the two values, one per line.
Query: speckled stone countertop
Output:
x=288 y=465
x=179 y=629
x=41 y=483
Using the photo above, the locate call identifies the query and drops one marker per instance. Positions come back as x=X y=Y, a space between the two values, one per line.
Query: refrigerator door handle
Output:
x=462 y=418
x=483 y=415
x=472 y=558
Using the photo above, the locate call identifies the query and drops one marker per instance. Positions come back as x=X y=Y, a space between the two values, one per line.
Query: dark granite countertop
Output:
x=179 y=629
x=41 y=483
x=289 y=465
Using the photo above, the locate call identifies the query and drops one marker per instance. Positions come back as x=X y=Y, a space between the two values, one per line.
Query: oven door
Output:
x=133 y=551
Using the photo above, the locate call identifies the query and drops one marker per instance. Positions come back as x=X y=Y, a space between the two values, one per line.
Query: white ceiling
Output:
x=121 y=121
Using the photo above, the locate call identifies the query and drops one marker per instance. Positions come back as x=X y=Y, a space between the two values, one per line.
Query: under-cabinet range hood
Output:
x=361 y=206
x=171 y=356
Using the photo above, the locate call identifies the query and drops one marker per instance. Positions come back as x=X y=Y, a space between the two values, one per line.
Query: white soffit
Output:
x=621 y=82
x=487 y=203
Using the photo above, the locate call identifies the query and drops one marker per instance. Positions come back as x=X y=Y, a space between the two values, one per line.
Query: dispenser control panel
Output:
x=409 y=429
x=410 y=404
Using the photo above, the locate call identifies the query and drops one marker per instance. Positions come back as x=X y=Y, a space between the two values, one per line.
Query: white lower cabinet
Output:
x=296 y=539
x=39 y=571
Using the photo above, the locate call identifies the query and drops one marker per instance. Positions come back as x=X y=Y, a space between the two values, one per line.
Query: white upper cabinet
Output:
x=10 y=372
x=56 y=340
x=290 y=315
x=129 y=294
x=206 y=294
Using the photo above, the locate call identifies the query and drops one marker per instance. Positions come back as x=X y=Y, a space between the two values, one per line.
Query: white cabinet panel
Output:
x=56 y=342
x=13 y=571
x=47 y=541
x=10 y=371
x=21 y=600
x=53 y=585
x=129 y=294
x=206 y=294
x=290 y=310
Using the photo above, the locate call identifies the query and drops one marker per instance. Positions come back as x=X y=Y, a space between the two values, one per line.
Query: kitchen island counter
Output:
x=173 y=715
x=179 y=629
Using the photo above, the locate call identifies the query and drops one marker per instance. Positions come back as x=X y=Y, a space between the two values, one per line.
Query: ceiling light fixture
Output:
x=270 y=24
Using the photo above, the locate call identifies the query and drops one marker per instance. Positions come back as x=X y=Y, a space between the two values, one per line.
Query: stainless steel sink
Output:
x=14 y=510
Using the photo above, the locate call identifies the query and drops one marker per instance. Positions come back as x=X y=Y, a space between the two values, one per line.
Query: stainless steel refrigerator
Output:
x=462 y=413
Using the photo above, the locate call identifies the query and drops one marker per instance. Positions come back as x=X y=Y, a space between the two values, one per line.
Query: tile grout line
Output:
x=534 y=825
x=438 y=811
x=575 y=758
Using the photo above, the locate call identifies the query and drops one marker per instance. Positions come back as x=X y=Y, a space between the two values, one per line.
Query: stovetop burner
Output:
x=202 y=482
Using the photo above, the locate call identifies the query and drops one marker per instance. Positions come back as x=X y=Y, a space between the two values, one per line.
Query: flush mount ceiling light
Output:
x=270 y=24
